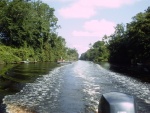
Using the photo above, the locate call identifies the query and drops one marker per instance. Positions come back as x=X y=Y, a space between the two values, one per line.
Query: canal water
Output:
x=71 y=88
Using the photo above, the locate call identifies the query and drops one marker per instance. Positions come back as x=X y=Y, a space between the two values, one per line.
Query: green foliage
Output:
x=98 y=52
x=139 y=37
x=134 y=44
x=128 y=44
x=24 y=53
x=118 y=46
x=30 y=27
x=6 y=55
x=72 y=54
x=27 y=23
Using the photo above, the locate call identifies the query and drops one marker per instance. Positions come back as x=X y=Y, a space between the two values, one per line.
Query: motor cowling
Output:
x=115 y=102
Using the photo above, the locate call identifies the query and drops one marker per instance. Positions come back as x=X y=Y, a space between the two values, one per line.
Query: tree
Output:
x=72 y=54
x=32 y=25
x=138 y=32
x=26 y=23
x=128 y=44
x=118 y=46
x=98 y=52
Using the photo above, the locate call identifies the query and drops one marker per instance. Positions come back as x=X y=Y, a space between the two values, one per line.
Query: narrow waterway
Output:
x=76 y=88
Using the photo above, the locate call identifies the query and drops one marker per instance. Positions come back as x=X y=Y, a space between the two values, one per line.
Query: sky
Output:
x=85 y=22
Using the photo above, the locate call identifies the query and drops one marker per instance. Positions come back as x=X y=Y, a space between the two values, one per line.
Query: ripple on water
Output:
x=94 y=75
x=41 y=95
x=94 y=80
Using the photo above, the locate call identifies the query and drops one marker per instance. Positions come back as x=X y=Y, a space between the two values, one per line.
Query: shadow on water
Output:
x=140 y=72
x=13 y=77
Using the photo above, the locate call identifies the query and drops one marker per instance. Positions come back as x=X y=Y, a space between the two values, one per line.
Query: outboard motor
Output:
x=115 y=102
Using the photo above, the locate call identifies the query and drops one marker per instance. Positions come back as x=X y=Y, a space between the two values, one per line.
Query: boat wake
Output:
x=41 y=96
x=75 y=88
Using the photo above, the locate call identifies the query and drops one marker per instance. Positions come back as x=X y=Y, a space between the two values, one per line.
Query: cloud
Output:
x=84 y=33
x=95 y=28
x=87 y=8
x=77 y=10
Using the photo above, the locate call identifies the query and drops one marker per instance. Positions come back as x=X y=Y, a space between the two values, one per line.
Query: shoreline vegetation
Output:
x=28 y=31
x=128 y=45
x=9 y=55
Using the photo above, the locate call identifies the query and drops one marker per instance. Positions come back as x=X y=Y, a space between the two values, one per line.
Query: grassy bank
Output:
x=7 y=55
x=15 y=55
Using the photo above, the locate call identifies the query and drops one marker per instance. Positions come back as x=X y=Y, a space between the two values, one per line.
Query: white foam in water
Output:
x=40 y=95
x=91 y=89
x=95 y=80
x=137 y=88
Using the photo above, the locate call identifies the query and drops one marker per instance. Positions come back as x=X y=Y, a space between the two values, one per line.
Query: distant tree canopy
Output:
x=97 y=53
x=129 y=43
x=72 y=54
x=29 y=24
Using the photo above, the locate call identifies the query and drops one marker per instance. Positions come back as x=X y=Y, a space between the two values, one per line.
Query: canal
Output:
x=71 y=88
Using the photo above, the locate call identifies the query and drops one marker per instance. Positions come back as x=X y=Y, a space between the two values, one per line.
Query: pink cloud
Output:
x=77 y=10
x=83 y=33
x=97 y=28
x=87 y=8
x=111 y=3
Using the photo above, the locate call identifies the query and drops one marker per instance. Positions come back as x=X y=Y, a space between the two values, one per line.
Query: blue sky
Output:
x=87 y=21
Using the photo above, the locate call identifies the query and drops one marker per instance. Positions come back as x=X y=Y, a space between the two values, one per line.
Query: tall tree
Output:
x=139 y=37
x=26 y=23
x=117 y=46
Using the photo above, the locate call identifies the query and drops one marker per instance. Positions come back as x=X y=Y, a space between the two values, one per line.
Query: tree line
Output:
x=29 y=29
x=129 y=44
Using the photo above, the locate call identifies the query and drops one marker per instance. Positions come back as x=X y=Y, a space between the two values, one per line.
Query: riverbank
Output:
x=9 y=55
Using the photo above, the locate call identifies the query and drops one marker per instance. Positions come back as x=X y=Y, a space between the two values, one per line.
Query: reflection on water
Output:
x=74 y=88
x=42 y=93
x=13 y=77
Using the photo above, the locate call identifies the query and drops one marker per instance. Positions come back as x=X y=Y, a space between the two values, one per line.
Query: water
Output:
x=76 y=88
x=14 y=77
